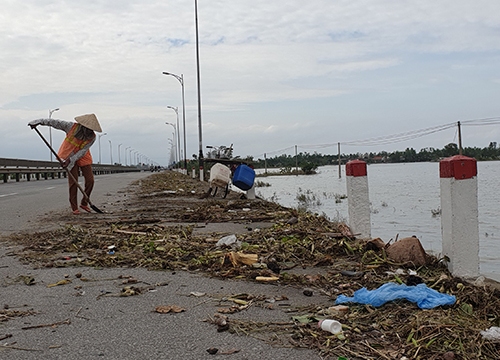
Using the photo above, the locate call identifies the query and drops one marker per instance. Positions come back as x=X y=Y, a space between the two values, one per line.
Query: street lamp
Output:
x=173 y=125
x=172 y=153
x=128 y=147
x=110 y=152
x=99 y=141
x=181 y=81
x=200 y=141
x=50 y=130
x=119 y=161
x=177 y=130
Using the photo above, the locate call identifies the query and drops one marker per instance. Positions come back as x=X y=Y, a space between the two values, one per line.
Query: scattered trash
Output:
x=337 y=310
x=375 y=244
x=424 y=297
x=61 y=282
x=413 y=280
x=303 y=319
x=274 y=266
x=479 y=281
x=307 y=292
x=221 y=322
x=239 y=258
x=26 y=279
x=130 y=280
x=197 y=294
x=64 y=322
x=230 y=351
x=165 y=309
x=258 y=265
x=354 y=274
x=212 y=350
x=332 y=326
x=229 y=241
x=266 y=278
x=407 y=250
x=493 y=334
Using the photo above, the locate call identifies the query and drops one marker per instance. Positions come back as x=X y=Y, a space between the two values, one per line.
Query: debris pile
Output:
x=299 y=249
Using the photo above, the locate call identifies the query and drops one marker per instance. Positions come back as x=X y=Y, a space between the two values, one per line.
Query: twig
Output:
x=65 y=322
x=374 y=350
x=130 y=232
x=6 y=336
x=202 y=302
x=17 y=348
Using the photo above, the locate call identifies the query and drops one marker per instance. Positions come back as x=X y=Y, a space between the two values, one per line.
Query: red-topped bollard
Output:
x=357 y=198
x=459 y=214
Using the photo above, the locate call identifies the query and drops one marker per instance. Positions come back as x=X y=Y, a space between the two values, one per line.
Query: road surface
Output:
x=21 y=203
x=89 y=320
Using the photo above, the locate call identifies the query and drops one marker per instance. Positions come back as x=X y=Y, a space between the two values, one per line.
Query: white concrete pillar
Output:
x=459 y=215
x=357 y=198
x=251 y=193
x=193 y=173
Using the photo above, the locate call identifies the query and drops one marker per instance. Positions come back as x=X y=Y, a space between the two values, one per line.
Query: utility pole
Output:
x=200 y=138
x=459 y=139
x=340 y=164
x=296 y=162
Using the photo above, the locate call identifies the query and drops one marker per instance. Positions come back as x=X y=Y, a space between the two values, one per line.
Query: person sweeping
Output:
x=74 y=153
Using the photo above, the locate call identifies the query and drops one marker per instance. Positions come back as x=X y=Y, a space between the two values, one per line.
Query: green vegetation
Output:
x=308 y=161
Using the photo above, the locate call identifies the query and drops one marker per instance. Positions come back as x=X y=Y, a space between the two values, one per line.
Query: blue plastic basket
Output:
x=243 y=177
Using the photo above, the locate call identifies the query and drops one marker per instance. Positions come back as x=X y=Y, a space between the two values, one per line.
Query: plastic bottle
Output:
x=332 y=326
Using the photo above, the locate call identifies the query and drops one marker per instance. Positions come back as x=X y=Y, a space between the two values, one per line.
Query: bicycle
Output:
x=222 y=172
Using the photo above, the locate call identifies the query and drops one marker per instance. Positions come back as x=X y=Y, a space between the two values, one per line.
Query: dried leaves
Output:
x=309 y=251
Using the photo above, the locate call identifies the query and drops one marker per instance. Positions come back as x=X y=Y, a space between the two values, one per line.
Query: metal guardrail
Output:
x=19 y=169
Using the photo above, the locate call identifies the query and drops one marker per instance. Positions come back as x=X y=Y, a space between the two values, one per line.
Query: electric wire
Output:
x=398 y=137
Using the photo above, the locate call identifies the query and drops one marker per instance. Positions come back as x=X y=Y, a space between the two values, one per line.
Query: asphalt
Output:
x=87 y=319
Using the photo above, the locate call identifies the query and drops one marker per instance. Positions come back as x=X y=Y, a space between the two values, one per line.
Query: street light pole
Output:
x=119 y=161
x=110 y=152
x=128 y=147
x=99 y=141
x=181 y=80
x=50 y=130
x=177 y=129
x=200 y=139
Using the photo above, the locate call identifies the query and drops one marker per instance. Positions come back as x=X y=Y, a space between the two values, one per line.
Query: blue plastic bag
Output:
x=424 y=297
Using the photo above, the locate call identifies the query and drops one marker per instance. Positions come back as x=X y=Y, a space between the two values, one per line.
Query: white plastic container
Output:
x=220 y=175
x=332 y=326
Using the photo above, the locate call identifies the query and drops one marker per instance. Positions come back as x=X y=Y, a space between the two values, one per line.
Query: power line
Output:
x=396 y=138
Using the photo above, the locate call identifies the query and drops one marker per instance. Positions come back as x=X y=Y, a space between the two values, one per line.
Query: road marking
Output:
x=8 y=194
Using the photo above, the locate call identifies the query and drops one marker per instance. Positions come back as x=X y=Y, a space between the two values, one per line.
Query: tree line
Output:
x=305 y=159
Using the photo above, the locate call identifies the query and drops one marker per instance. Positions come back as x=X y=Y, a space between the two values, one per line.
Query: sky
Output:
x=273 y=74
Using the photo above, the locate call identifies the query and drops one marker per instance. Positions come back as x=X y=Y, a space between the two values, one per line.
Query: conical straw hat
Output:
x=89 y=121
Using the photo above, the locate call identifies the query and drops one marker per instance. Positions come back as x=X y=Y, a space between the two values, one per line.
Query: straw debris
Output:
x=157 y=231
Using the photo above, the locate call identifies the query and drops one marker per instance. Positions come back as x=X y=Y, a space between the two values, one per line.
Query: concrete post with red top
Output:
x=459 y=215
x=357 y=198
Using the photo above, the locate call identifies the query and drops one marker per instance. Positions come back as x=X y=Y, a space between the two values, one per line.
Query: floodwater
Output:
x=404 y=201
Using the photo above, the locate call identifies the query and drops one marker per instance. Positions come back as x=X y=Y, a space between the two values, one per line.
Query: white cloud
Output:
x=337 y=66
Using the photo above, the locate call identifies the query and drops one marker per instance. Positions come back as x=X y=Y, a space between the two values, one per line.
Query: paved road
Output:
x=94 y=326
x=23 y=202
